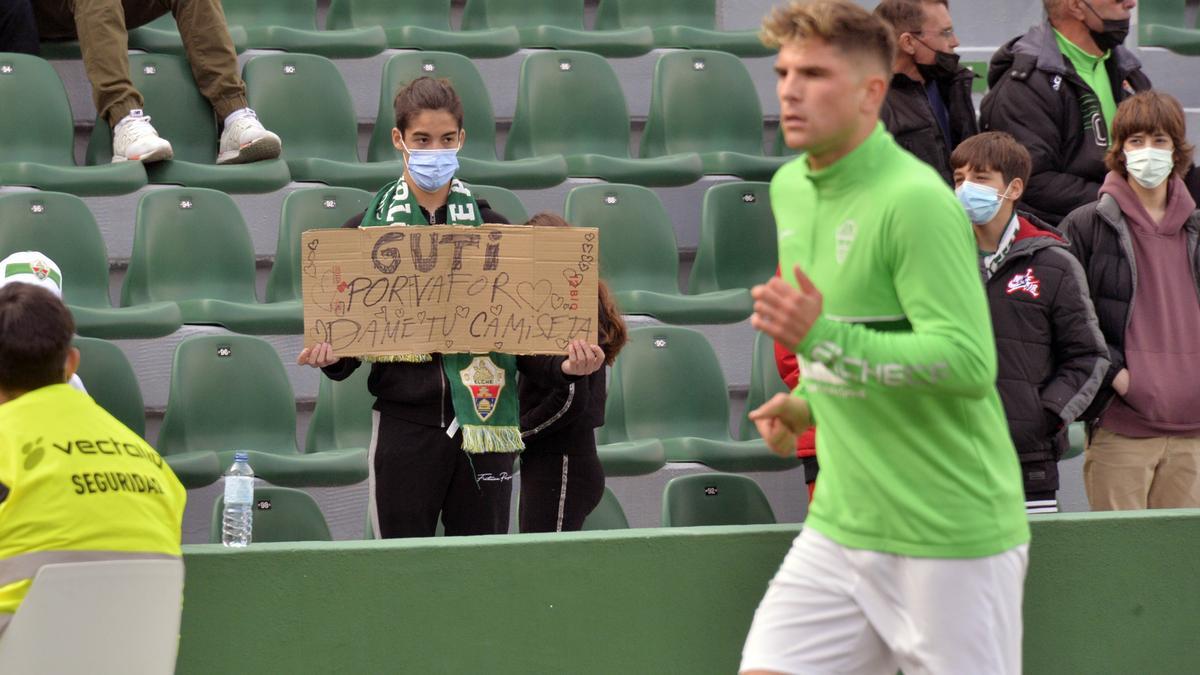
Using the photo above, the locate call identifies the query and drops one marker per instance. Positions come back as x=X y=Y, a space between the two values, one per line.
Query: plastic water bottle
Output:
x=238 y=518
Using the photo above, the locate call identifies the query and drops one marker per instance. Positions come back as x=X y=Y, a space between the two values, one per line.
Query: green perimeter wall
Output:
x=1106 y=593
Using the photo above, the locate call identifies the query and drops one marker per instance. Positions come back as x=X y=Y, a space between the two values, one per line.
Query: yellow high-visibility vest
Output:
x=77 y=486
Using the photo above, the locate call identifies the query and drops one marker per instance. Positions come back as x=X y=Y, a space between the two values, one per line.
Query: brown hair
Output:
x=840 y=23
x=906 y=16
x=35 y=336
x=994 y=151
x=611 y=330
x=1149 y=112
x=426 y=93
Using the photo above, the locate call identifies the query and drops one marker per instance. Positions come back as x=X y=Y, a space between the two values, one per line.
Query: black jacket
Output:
x=1101 y=241
x=907 y=115
x=420 y=392
x=562 y=419
x=1036 y=95
x=1051 y=354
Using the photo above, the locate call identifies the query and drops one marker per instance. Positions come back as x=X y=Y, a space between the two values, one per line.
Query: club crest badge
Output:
x=846 y=232
x=40 y=269
x=484 y=379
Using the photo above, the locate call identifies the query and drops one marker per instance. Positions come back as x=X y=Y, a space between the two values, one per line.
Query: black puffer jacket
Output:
x=907 y=115
x=1101 y=241
x=1051 y=354
x=1036 y=95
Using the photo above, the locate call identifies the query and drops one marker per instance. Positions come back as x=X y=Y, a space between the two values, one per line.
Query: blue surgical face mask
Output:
x=432 y=169
x=980 y=201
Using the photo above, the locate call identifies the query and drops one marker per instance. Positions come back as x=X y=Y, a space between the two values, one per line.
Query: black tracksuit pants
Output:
x=559 y=491
x=418 y=472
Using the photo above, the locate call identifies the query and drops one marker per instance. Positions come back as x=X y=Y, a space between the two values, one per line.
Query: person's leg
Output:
x=410 y=469
x=541 y=474
x=1177 y=479
x=104 y=44
x=809 y=620
x=480 y=493
x=585 y=489
x=18 y=29
x=1118 y=470
x=559 y=491
x=946 y=615
x=210 y=53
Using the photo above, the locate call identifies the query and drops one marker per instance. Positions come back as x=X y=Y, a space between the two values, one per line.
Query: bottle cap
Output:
x=241 y=456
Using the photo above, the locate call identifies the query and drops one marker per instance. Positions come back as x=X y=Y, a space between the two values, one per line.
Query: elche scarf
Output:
x=991 y=262
x=483 y=387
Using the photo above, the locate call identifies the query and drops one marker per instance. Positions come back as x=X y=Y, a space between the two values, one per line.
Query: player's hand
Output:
x=1121 y=382
x=780 y=421
x=786 y=313
x=317 y=356
x=582 y=358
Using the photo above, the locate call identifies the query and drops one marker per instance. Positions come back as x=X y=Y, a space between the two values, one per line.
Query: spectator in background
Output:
x=1056 y=89
x=928 y=109
x=108 y=496
x=1138 y=248
x=18 y=30
x=102 y=26
x=1052 y=357
x=32 y=267
x=561 y=476
x=806 y=442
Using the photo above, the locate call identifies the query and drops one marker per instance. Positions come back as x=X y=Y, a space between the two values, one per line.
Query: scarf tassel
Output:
x=480 y=439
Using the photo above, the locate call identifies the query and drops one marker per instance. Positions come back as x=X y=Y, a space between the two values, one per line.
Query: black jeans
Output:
x=18 y=29
x=417 y=472
x=559 y=491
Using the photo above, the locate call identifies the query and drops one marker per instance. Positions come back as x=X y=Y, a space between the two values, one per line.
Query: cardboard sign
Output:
x=378 y=291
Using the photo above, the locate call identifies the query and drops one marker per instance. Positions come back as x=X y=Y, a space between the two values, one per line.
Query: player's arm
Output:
x=931 y=255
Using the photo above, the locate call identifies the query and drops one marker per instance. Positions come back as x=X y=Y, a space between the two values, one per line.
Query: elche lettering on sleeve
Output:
x=383 y=291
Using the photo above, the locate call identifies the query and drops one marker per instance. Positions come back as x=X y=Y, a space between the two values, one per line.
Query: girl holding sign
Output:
x=561 y=476
x=445 y=427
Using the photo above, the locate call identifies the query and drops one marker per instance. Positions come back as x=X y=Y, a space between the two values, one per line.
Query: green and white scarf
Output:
x=990 y=262
x=483 y=387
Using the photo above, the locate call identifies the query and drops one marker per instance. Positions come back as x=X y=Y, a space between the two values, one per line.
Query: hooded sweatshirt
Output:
x=1162 y=353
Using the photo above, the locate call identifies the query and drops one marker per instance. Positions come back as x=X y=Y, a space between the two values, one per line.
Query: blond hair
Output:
x=840 y=23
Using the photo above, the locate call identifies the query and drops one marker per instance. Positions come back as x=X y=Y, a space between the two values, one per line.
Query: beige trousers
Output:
x=101 y=26
x=1121 y=473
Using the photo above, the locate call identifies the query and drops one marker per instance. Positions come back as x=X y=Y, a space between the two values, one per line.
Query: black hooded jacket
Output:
x=1036 y=95
x=909 y=118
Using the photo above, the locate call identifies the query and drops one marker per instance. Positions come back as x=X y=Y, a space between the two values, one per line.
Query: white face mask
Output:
x=1149 y=166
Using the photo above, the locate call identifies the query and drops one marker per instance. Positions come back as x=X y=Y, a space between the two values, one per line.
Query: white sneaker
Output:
x=135 y=140
x=246 y=140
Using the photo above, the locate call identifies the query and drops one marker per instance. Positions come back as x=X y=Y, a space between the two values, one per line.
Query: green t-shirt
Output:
x=900 y=369
x=1094 y=73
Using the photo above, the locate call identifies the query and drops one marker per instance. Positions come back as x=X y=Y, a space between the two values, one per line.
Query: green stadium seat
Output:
x=667 y=384
x=632 y=458
x=686 y=24
x=715 y=499
x=477 y=159
x=320 y=142
x=765 y=382
x=110 y=380
x=191 y=247
x=502 y=201
x=555 y=24
x=422 y=24
x=280 y=514
x=608 y=514
x=737 y=238
x=184 y=117
x=570 y=103
x=307 y=209
x=39 y=147
x=61 y=226
x=342 y=417
x=1164 y=23
x=728 y=137
x=160 y=36
x=291 y=25
x=639 y=256
x=230 y=393
x=1077 y=433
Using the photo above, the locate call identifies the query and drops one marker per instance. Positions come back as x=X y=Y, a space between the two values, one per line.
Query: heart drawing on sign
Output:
x=499 y=344
x=530 y=293
x=399 y=312
x=562 y=342
x=449 y=344
x=420 y=317
x=574 y=278
x=462 y=311
x=496 y=309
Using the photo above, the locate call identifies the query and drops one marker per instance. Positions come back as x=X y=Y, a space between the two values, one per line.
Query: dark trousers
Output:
x=18 y=31
x=417 y=472
x=102 y=26
x=559 y=491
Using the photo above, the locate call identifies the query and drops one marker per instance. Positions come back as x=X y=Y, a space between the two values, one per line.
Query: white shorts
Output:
x=832 y=609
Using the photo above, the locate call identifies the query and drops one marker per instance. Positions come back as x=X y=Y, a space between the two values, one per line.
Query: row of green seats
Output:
x=193 y=261
x=490 y=28
x=571 y=120
x=1166 y=24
